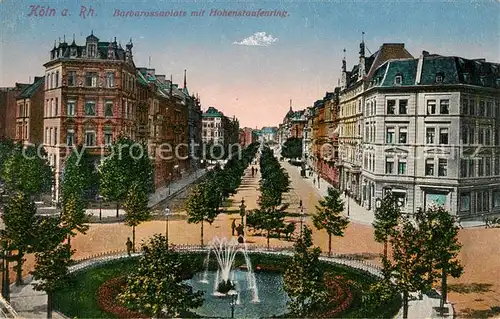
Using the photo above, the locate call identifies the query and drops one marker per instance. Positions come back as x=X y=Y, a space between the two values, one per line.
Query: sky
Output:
x=249 y=67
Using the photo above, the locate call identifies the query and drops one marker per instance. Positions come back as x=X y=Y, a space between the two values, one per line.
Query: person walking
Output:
x=233 y=226
x=129 y=246
x=253 y=171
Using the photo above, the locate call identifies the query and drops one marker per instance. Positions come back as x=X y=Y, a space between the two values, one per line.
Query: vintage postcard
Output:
x=250 y=159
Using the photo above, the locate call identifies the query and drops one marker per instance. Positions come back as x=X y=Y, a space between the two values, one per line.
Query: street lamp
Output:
x=347 y=195
x=167 y=213
x=233 y=293
x=169 y=182
x=99 y=198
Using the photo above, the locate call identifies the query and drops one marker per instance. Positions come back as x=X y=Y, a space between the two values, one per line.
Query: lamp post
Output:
x=233 y=293
x=167 y=213
x=169 y=182
x=99 y=198
x=347 y=195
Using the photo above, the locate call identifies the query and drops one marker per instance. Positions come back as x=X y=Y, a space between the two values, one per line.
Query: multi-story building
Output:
x=246 y=135
x=194 y=127
x=90 y=98
x=8 y=109
x=432 y=134
x=213 y=126
x=29 y=113
x=269 y=134
x=353 y=85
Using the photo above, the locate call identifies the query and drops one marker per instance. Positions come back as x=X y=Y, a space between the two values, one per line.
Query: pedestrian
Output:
x=129 y=246
x=233 y=226
x=256 y=171
x=253 y=171
x=314 y=182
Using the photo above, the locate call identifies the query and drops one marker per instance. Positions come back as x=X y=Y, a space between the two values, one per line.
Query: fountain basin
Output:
x=272 y=299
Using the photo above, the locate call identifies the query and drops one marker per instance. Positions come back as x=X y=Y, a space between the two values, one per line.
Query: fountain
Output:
x=225 y=252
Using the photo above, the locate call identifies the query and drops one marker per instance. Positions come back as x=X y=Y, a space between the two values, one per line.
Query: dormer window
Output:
x=498 y=81
x=398 y=79
x=91 y=50
x=439 y=78
x=73 y=52
x=466 y=77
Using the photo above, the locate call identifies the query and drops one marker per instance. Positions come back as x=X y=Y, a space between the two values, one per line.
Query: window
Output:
x=89 y=138
x=390 y=135
x=496 y=198
x=472 y=107
x=442 y=167
x=55 y=135
x=482 y=108
x=439 y=78
x=480 y=166
x=73 y=52
x=92 y=50
x=443 y=136
x=482 y=202
x=56 y=109
x=464 y=202
x=110 y=79
x=51 y=80
x=431 y=107
x=71 y=105
x=46 y=135
x=108 y=108
x=465 y=107
x=465 y=134
x=403 y=106
x=487 y=166
x=71 y=78
x=472 y=135
x=402 y=166
x=429 y=167
x=108 y=136
x=463 y=167
x=487 y=136
x=90 y=108
x=57 y=79
x=50 y=136
x=472 y=167
x=391 y=106
x=489 y=107
x=398 y=80
x=91 y=79
x=444 y=106
x=497 y=165
x=480 y=136
x=403 y=135
x=430 y=134
x=70 y=137
x=389 y=165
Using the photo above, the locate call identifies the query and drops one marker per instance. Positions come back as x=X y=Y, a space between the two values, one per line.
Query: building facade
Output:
x=29 y=113
x=353 y=85
x=432 y=135
x=8 y=109
x=90 y=98
x=213 y=126
x=246 y=136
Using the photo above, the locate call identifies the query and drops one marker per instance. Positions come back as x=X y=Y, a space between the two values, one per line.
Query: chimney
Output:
x=425 y=53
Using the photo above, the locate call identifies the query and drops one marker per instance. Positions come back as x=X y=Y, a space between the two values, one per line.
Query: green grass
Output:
x=78 y=299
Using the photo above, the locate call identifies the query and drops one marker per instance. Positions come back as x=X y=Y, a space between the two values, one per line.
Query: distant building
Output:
x=8 y=109
x=269 y=134
x=213 y=126
x=29 y=113
x=246 y=136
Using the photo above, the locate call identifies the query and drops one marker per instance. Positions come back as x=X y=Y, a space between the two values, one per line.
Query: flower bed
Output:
x=106 y=299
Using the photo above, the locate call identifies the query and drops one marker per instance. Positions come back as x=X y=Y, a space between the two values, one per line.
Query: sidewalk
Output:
x=355 y=212
x=160 y=195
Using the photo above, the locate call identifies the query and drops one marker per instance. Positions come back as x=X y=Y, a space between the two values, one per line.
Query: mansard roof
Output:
x=212 y=112
x=31 y=89
x=437 y=70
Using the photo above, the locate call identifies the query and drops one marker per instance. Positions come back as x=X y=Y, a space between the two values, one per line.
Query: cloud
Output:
x=258 y=39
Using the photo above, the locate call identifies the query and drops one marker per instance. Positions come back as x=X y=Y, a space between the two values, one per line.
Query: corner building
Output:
x=90 y=95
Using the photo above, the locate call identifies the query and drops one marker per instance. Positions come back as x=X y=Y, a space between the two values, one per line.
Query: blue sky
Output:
x=254 y=83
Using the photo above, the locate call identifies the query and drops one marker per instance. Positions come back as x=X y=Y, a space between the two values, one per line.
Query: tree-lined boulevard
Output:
x=271 y=204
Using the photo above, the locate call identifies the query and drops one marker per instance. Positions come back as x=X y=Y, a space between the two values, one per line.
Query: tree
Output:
x=20 y=228
x=157 y=286
x=304 y=277
x=271 y=219
x=27 y=170
x=409 y=267
x=442 y=246
x=292 y=148
x=329 y=216
x=51 y=271
x=136 y=208
x=127 y=163
x=201 y=206
x=79 y=174
x=386 y=218
x=6 y=148
x=73 y=216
